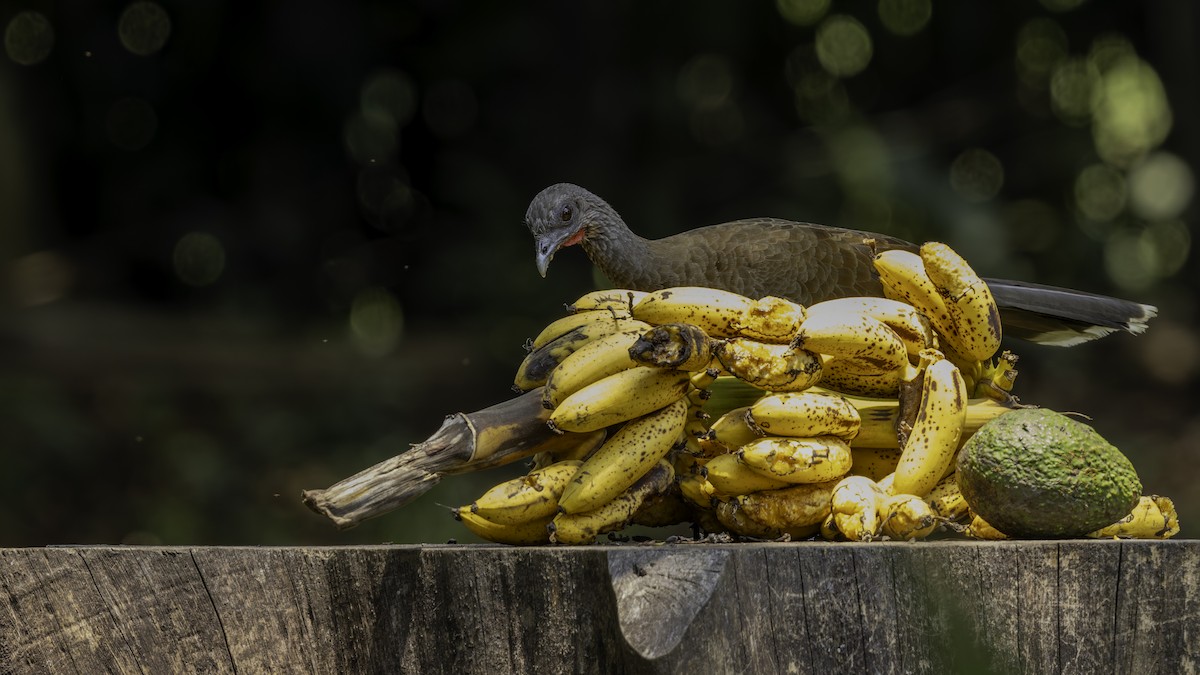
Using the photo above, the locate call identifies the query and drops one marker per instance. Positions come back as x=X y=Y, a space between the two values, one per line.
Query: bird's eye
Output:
x=566 y=212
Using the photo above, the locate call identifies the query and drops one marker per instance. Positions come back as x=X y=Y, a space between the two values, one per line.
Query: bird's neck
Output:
x=619 y=253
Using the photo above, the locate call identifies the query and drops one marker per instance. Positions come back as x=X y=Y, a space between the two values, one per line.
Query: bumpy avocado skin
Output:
x=1035 y=473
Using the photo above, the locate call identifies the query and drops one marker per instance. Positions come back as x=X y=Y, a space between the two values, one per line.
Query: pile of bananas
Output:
x=765 y=419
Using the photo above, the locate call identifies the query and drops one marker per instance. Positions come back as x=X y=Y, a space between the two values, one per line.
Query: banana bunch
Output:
x=765 y=419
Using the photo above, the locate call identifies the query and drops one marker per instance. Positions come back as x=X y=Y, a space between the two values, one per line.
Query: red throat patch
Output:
x=575 y=238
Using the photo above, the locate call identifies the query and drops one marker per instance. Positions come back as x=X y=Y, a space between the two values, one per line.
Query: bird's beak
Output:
x=545 y=246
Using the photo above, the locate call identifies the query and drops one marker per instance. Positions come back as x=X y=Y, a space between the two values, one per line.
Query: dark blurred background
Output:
x=252 y=248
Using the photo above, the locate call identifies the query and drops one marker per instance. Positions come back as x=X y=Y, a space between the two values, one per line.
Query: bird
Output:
x=803 y=262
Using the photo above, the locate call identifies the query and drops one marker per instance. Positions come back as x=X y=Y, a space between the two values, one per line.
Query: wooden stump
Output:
x=932 y=607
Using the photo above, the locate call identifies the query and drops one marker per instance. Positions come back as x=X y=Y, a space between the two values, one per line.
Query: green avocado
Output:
x=1036 y=473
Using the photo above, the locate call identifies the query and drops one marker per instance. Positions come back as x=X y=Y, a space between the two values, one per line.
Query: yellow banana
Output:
x=612 y=515
x=874 y=463
x=935 y=435
x=789 y=507
x=611 y=298
x=525 y=534
x=674 y=345
x=619 y=398
x=731 y=515
x=581 y=449
x=886 y=484
x=703 y=379
x=858 y=378
x=592 y=362
x=540 y=362
x=855 y=505
x=697 y=491
x=829 y=531
x=533 y=496
x=615 y=319
x=904 y=278
x=805 y=414
x=835 y=329
x=716 y=312
x=968 y=301
x=798 y=460
x=946 y=500
x=770 y=319
x=729 y=476
x=979 y=528
x=625 y=457
x=1153 y=517
x=879 y=416
x=731 y=431
x=907 y=517
x=910 y=325
x=997 y=378
x=769 y=366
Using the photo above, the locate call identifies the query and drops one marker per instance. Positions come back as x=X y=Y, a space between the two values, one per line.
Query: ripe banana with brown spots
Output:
x=523 y=499
x=947 y=500
x=790 y=507
x=620 y=397
x=805 y=414
x=730 y=432
x=772 y=367
x=729 y=476
x=935 y=434
x=834 y=329
x=770 y=319
x=903 y=276
x=624 y=458
x=798 y=460
x=1153 y=517
x=714 y=311
x=614 y=514
x=907 y=322
x=874 y=463
x=968 y=301
x=856 y=504
x=610 y=298
x=592 y=362
x=683 y=346
x=524 y=534
x=907 y=517
x=614 y=319
x=537 y=365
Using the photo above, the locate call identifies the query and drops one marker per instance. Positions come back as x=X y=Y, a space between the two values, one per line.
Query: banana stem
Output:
x=493 y=436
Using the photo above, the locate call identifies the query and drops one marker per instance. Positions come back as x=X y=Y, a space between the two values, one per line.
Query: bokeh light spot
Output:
x=1041 y=44
x=1100 y=192
x=199 y=259
x=1171 y=352
x=705 y=81
x=905 y=17
x=1132 y=115
x=1161 y=187
x=28 y=38
x=802 y=12
x=131 y=124
x=844 y=46
x=860 y=158
x=144 y=28
x=376 y=321
x=370 y=136
x=40 y=278
x=389 y=92
x=1137 y=258
x=977 y=175
x=1072 y=87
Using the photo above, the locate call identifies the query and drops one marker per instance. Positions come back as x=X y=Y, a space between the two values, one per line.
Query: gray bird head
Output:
x=557 y=217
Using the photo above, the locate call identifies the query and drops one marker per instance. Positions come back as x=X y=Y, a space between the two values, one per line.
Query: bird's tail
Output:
x=1063 y=317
